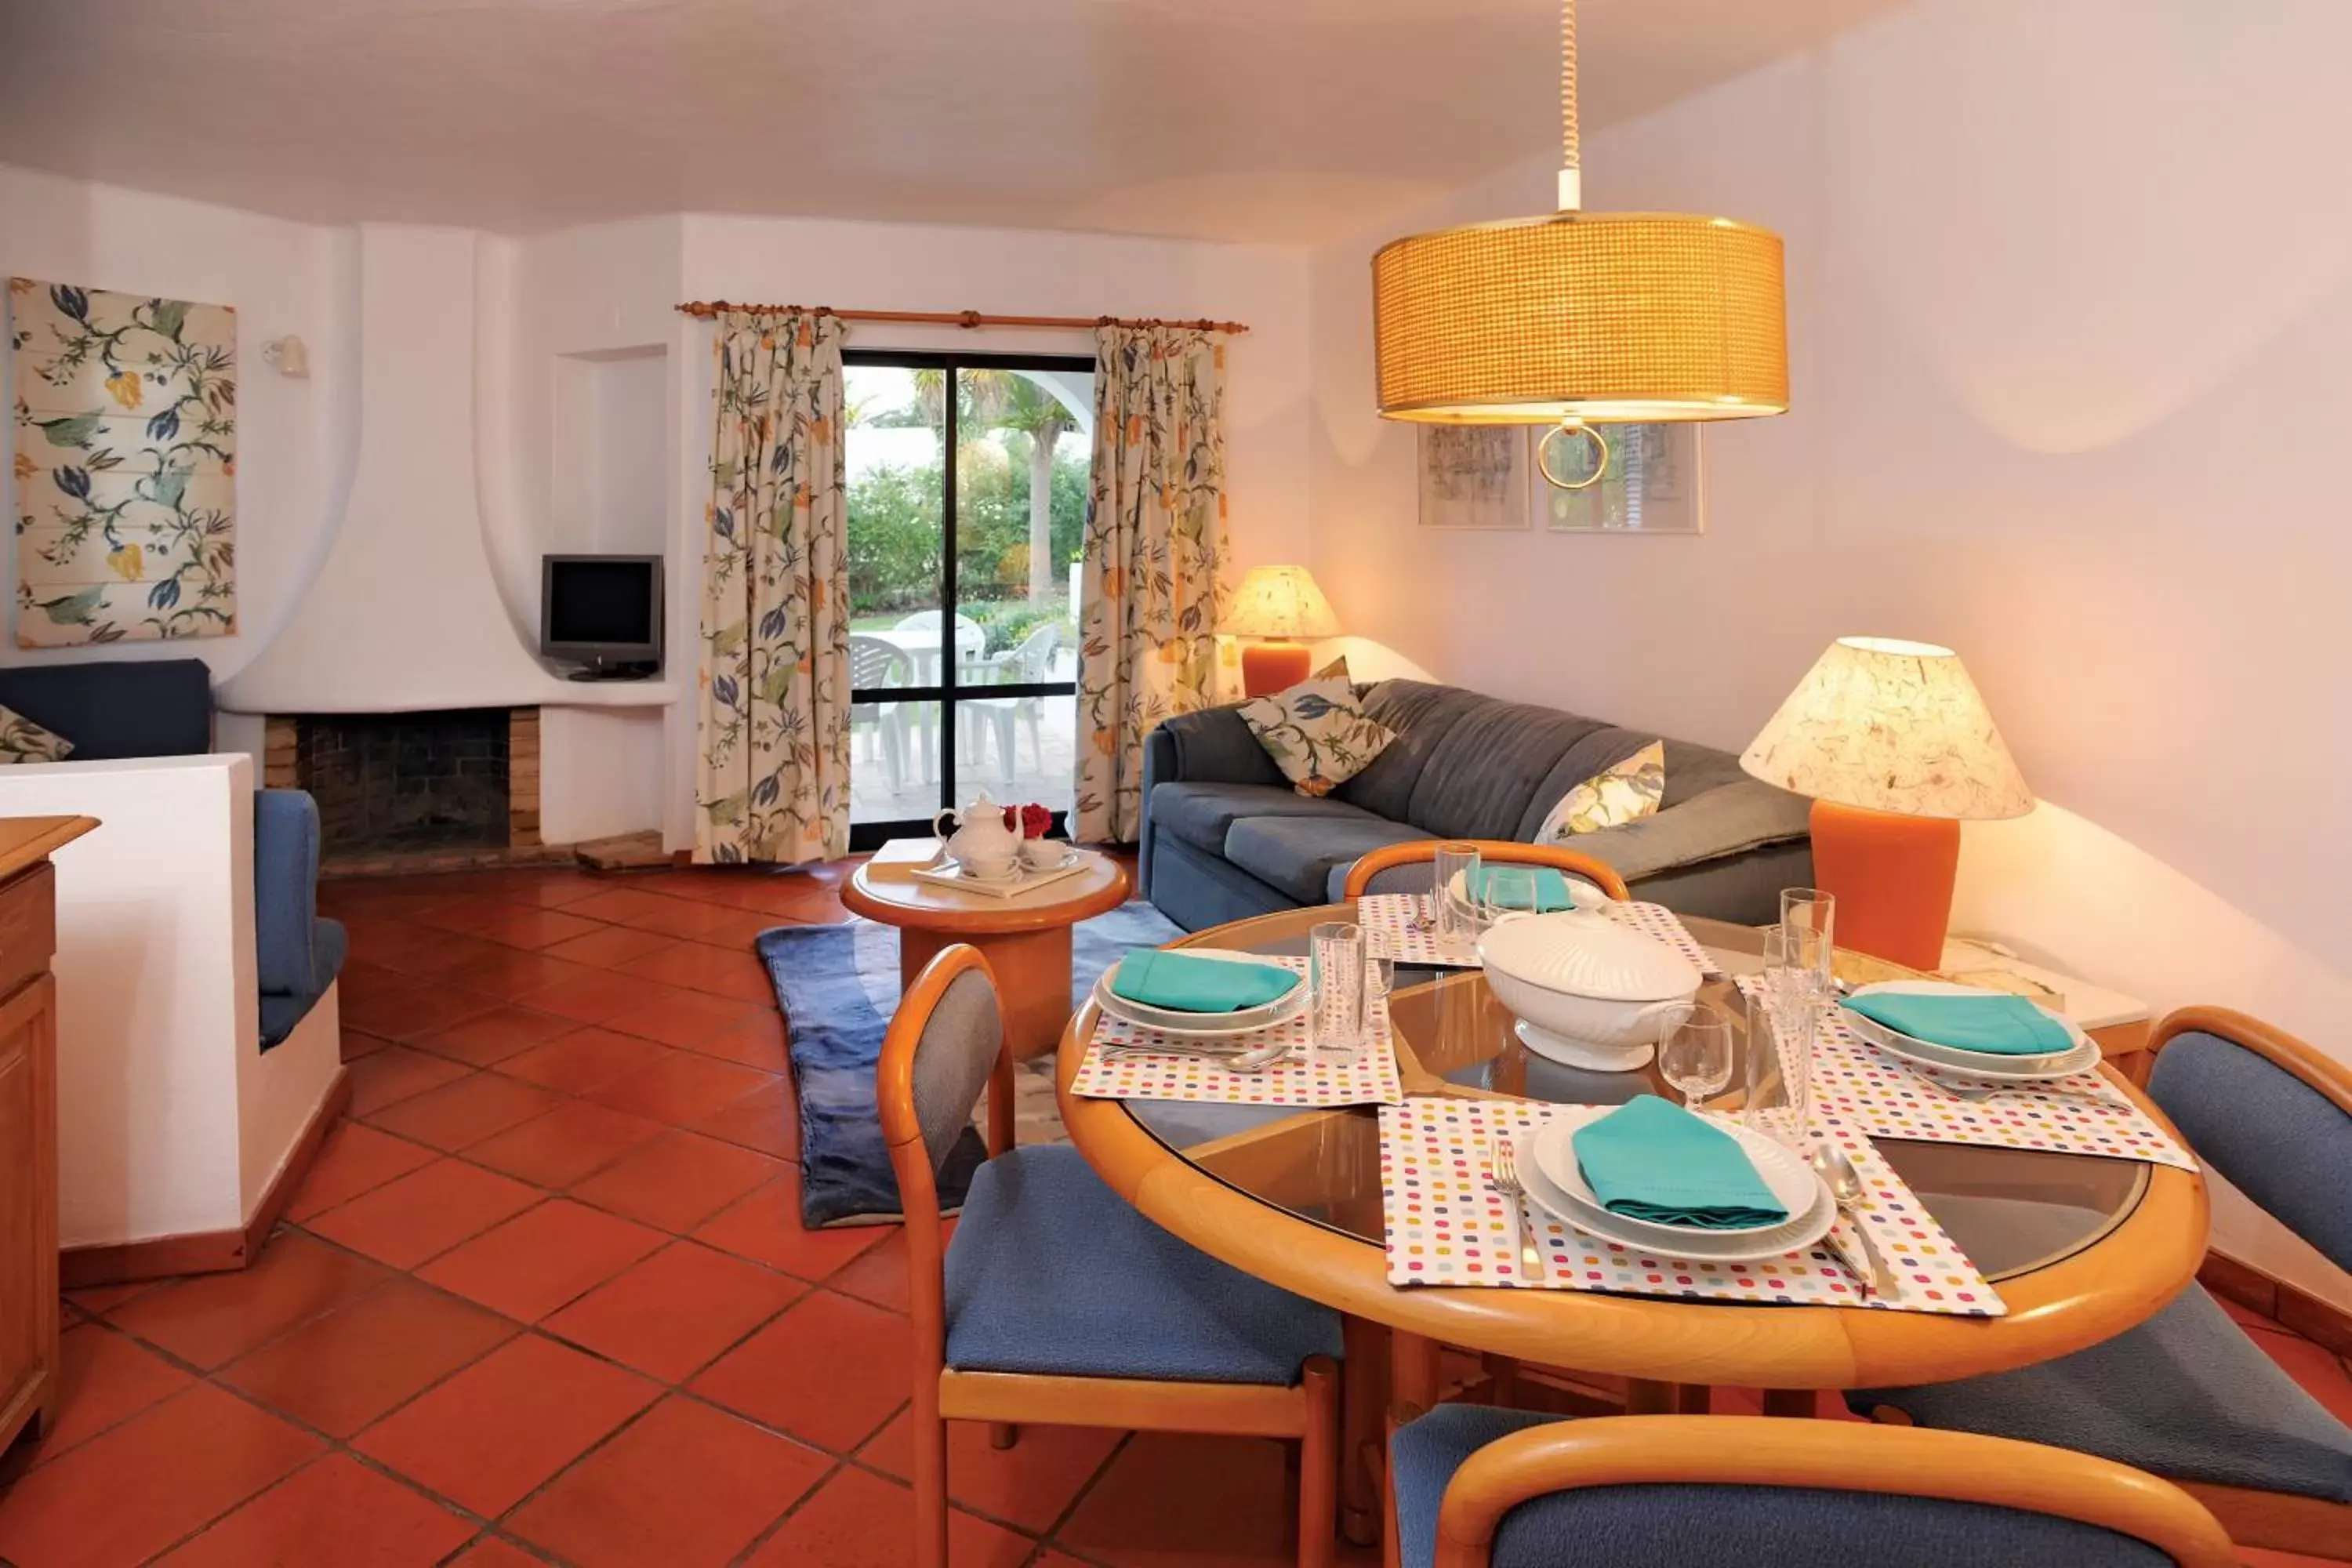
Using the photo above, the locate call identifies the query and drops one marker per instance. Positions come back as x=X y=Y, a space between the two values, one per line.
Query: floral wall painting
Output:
x=126 y=466
x=1473 y=475
x=1652 y=484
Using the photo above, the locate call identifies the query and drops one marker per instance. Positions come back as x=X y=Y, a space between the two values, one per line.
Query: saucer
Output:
x=1011 y=873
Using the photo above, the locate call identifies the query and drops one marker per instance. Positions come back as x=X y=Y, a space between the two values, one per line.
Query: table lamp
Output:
x=1895 y=744
x=1281 y=606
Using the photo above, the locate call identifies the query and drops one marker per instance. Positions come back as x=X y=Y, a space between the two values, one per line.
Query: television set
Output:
x=602 y=613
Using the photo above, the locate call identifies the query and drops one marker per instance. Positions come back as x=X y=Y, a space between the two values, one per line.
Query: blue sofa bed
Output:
x=1224 y=836
x=116 y=709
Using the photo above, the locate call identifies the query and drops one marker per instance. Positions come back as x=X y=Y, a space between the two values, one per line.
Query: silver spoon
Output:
x=1834 y=1165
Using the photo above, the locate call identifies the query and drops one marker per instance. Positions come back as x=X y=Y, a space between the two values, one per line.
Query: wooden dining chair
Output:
x=1474 y=1486
x=1057 y=1303
x=1496 y=851
x=2186 y=1393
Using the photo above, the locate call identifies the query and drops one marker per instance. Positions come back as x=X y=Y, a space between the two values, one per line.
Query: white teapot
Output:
x=982 y=844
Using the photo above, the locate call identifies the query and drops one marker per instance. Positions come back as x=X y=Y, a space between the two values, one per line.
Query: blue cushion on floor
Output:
x=1050 y=1271
x=1668 y=1525
x=2185 y=1395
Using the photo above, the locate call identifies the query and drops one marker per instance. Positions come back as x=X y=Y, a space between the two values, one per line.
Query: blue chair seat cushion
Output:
x=1673 y=1525
x=2186 y=1395
x=1051 y=1272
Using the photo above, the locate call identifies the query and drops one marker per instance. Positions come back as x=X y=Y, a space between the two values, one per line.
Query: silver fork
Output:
x=1503 y=1175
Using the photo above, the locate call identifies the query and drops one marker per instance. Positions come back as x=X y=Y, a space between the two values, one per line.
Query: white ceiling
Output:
x=1265 y=119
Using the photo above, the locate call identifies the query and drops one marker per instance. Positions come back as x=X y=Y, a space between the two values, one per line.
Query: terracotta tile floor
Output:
x=546 y=1298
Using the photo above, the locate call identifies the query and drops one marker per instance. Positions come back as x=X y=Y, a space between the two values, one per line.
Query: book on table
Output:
x=900 y=858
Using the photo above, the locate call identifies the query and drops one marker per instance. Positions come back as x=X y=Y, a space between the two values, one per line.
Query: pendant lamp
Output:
x=1580 y=318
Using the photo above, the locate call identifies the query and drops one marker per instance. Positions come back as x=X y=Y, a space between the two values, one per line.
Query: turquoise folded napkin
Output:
x=1994 y=1023
x=1183 y=984
x=1649 y=1160
x=1551 y=889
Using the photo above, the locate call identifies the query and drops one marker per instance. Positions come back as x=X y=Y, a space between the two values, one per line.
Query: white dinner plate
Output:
x=1202 y=1025
x=1791 y=1182
x=1584 y=895
x=2082 y=1057
x=1794 y=1234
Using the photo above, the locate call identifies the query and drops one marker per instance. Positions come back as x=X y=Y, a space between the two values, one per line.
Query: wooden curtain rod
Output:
x=967 y=319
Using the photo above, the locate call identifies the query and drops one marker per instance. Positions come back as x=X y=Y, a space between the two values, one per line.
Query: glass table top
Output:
x=2011 y=1210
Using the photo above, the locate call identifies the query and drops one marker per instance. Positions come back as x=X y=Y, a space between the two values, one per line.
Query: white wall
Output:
x=171 y=1119
x=2069 y=311
x=295 y=438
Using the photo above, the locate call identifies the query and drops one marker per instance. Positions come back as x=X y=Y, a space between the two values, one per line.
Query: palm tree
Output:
x=1009 y=400
x=1026 y=405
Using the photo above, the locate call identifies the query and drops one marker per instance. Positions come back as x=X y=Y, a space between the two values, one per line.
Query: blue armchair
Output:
x=117 y=709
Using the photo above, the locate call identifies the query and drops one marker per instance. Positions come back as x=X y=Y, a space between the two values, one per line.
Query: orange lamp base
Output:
x=1268 y=666
x=1892 y=879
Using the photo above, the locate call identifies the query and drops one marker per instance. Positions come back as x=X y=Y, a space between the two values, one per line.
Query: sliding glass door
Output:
x=963 y=660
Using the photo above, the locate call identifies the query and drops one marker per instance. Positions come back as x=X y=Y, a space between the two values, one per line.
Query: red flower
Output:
x=1035 y=820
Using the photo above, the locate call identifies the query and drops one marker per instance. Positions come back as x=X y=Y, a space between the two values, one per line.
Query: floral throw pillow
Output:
x=22 y=740
x=1316 y=732
x=1626 y=792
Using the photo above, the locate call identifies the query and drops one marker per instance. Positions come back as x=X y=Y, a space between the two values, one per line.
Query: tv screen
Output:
x=608 y=602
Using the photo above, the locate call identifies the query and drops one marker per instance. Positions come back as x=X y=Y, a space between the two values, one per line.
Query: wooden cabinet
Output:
x=29 y=1121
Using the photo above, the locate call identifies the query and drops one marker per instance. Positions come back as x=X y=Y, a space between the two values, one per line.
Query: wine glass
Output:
x=1695 y=1055
x=1507 y=893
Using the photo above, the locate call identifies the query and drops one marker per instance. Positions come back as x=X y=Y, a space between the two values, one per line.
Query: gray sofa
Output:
x=1224 y=836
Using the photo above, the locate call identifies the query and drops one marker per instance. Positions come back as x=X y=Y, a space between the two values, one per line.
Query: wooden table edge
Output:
x=860 y=900
x=2052 y=1311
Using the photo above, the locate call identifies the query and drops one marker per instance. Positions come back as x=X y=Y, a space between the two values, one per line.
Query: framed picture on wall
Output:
x=1473 y=475
x=1652 y=485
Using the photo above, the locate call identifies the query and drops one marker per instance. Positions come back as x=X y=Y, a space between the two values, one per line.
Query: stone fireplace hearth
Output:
x=394 y=790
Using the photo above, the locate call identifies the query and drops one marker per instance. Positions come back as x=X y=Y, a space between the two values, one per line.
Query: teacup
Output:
x=1048 y=854
x=991 y=867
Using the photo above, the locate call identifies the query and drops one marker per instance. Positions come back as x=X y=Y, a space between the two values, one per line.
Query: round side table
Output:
x=1026 y=938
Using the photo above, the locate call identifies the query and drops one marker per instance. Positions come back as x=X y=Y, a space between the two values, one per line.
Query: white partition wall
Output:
x=170 y=1121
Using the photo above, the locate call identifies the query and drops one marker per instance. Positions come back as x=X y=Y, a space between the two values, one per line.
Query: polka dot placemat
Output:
x=1860 y=1091
x=1403 y=920
x=1445 y=1227
x=1305 y=1078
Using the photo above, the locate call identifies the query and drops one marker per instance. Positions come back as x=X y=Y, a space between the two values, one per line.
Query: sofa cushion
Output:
x=1622 y=793
x=1316 y=732
x=1202 y=814
x=1727 y=820
x=1484 y=779
x=1422 y=715
x=112 y=708
x=1297 y=854
x=22 y=740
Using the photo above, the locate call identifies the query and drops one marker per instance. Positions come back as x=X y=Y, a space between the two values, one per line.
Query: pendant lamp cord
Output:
x=1571 y=141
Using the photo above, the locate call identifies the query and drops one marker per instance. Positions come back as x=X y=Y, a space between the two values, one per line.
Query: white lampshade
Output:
x=1279 y=602
x=1891 y=726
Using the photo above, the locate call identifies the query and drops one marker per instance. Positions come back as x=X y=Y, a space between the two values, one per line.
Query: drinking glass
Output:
x=1456 y=923
x=1380 y=958
x=1783 y=1017
x=1808 y=916
x=1335 y=979
x=1508 y=893
x=1696 y=1054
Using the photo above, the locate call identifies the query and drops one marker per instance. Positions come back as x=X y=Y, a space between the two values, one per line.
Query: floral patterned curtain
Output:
x=1153 y=578
x=774 y=778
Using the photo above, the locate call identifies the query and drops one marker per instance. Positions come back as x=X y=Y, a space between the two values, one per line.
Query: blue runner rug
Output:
x=838 y=985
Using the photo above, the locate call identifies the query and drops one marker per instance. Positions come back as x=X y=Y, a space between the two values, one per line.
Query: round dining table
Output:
x=2080 y=1247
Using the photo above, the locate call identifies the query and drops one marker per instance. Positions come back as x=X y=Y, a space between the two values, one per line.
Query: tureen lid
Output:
x=1588 y=955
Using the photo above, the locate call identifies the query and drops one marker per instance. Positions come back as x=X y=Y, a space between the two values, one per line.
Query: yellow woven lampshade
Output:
x=1279 y=602
x=1582 y=319
x=1604 y=316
